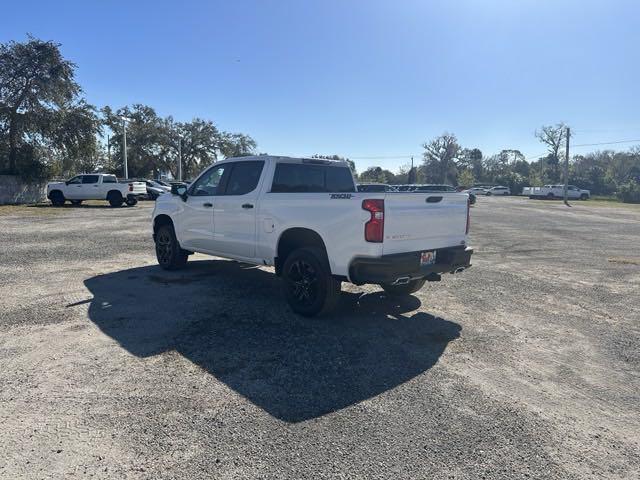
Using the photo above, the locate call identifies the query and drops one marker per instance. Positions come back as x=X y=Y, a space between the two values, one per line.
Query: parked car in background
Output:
x=305 y=217
x=375 y=187
x=556 y=191
x=477 y=190
x=155 y=189
x=499 y=190
x=95 y=186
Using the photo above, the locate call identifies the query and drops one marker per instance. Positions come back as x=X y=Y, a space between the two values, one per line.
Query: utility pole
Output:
x=179 y=159
x=124 y=147
x=566 y=170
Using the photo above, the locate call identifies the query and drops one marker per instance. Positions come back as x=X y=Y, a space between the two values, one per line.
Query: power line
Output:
x=606 y=143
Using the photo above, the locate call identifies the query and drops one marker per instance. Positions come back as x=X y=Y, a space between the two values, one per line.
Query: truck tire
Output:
x=115 y=198
x=76 y=202
x=309 y=286
x=584 y=196
x=406 y=289
x=168 y=251
x=550 y=196
x=57 y=198
x=131 y=201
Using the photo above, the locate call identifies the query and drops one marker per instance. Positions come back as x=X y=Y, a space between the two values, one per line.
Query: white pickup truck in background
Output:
x=95 y=186
x=306 y=218
x=556 y=191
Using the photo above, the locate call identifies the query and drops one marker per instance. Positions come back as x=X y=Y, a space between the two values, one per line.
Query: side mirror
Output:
x=179 y=189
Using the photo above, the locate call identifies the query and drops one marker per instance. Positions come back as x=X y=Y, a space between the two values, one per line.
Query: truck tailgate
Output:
x=138 y=188
x=424 y=221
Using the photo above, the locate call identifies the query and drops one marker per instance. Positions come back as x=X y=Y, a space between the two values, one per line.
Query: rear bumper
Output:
x=389 y=268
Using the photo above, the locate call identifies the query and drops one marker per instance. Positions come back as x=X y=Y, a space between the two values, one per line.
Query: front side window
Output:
x=244 y=177
x=301 y=178
x=207 y=184
x=75 y=180
x=90 y=179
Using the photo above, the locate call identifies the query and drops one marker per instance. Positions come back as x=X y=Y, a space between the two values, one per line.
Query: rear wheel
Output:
x=168 y=252
x=406 y=289
x=131 y=201
x=76 y=202
x=584 y=196
x=550 y=196
x=309 y=286
x=57 y=198
x=115 y=199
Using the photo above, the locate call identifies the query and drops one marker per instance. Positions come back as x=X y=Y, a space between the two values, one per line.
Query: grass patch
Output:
x=43 y=209
x=606 y=198
x=625 y=260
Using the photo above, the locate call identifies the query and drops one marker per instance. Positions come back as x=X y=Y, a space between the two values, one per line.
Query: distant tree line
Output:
x=446 y=161
x=47 y=128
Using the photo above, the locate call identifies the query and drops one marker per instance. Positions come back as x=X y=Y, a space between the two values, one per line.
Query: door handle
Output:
x=247 y=205
x=207 y=204
x=433 y=199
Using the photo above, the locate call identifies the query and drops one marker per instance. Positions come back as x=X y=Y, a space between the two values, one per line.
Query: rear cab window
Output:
x=90 y=179
x=109 y=179
x=311 y=178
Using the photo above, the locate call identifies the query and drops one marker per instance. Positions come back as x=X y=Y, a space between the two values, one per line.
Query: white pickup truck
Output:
x=306 y=218
x=556 y=191
x=95 y=186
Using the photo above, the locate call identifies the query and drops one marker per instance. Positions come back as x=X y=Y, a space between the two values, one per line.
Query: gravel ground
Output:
x=525 y=366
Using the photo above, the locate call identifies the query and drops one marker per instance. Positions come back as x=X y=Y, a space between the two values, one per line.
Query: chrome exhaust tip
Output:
x=459 y=270
x=401 y=281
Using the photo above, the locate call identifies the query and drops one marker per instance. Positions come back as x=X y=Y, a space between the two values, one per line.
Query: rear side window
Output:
x=244 y=178
x=109 y=179
x=90 y=178
x=300 y=178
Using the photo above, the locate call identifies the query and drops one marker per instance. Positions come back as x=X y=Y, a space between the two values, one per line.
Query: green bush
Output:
x=629 y=192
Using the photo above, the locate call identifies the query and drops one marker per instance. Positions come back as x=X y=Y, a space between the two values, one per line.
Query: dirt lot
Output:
x=525 y=366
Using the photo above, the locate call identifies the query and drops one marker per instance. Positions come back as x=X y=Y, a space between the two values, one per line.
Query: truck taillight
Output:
x=131 y=187
x=374 y=228
x=466 y=231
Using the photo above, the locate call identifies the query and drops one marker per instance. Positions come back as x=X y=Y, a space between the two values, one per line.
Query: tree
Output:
x=440 y=156
x=466 y=178
x=42 y=115
x=471 y=159
x=351 y=163
x=553 y=136
x=148 y=139
x=376 y=175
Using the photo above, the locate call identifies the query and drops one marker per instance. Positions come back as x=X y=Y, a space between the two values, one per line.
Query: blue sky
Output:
x=363 y=78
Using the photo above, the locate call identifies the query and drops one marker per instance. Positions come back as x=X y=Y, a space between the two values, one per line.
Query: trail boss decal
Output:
x=345 y=196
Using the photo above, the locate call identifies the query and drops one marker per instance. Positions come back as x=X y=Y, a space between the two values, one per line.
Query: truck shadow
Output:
x=230 y=319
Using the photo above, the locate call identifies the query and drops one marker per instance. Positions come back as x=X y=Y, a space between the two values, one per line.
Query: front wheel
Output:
x=76 y=202
x=406 y=289
x=168 y=252
x=309 y=286
x=584 y=196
